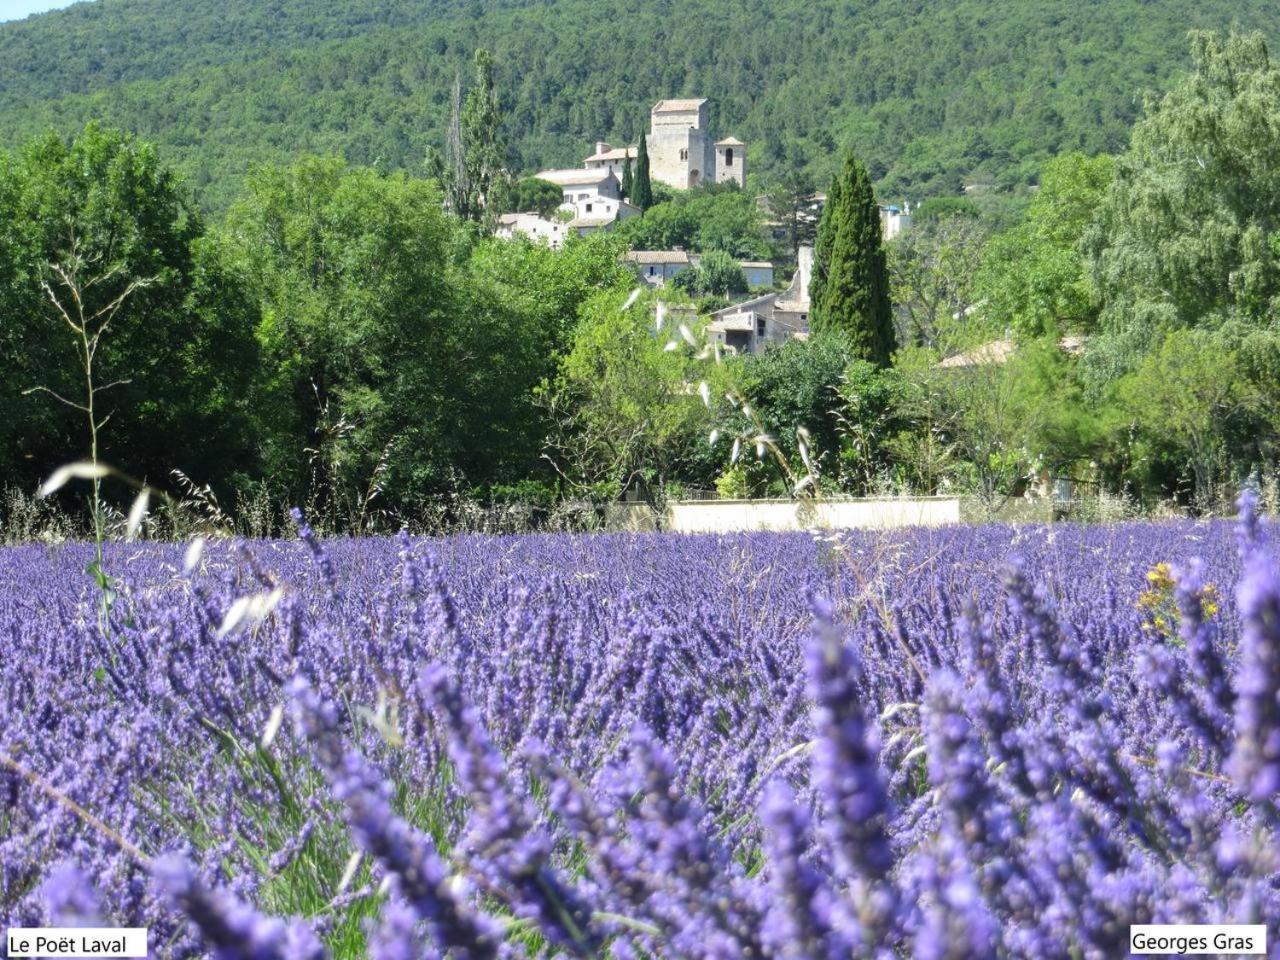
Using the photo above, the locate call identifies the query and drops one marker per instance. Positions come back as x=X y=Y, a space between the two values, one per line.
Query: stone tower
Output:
x=681 y=153
x=731 y=161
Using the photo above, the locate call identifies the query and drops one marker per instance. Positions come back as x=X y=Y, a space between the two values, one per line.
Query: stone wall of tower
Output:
x=683 y=153
x=731 y=167
x=668 y=152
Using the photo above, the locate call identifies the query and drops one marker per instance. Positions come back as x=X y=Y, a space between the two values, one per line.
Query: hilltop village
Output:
x=681 y=152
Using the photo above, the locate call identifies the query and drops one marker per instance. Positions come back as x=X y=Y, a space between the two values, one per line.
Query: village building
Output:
x=537 y=228
x=750 y=326
x=682 y=153
x=610 y=158
x=584 y=184
x=893 y=220
x=759 y=273
x=658 y=267
x=592 y=200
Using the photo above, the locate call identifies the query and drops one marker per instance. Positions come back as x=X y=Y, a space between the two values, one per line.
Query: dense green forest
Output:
x=930 y=95
x=353 y=338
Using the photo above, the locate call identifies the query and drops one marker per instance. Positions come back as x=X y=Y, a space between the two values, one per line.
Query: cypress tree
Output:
x=628 y=182
x=852 y=278
x=822 y=246
x=642 y=187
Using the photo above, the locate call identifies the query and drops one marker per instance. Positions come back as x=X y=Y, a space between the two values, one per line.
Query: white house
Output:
x=537 y=228
x=656 y=267
x=584 y=184
x=598 y=213
x=610 y=158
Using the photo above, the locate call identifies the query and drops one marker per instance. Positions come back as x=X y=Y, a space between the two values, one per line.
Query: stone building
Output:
x=750 y=326
x=682 y=153
x=583 y=185
x=537 y=228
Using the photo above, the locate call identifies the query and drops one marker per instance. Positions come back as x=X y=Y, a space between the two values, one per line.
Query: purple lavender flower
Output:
x=1255 y=762
x=419 y=875
x=318 y=553
x=804 y=915
x=232 y=930
x=502 y=842
x=847 y=775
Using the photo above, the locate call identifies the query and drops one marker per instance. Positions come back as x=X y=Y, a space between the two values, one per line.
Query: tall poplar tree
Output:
x=643 y=187
x=851 y=276
x=484 y=151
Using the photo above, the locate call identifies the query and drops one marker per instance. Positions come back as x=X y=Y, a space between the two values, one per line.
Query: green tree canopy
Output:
x=701 y=220
x=364 y=348
x=717 y=274
x=532 y=195
x=1189 y=232
x=1034 y=279
x=179 y=356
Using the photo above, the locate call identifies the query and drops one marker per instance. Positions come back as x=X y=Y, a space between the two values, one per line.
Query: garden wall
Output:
x=727 y=516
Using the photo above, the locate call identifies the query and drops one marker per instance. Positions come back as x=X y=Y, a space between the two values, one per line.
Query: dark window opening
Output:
x=728 y=157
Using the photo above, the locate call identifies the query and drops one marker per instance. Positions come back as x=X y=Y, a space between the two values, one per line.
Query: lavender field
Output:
x=963 y=742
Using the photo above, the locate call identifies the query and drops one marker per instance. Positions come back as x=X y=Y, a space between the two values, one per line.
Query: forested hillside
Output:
x=931 y=94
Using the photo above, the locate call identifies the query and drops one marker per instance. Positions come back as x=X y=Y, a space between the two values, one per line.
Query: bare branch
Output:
x=57 y=396
x=113 y=383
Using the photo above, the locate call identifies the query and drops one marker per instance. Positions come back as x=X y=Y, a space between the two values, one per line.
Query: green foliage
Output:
x=701 y=220
x=933 y=268
x=532 y=195
x=481 y=136
x=869 y=424
x=944 y=208
x=853 y=295
x=1187 y=236
x=623 y=414
x=628 y=178
x=717 y=274
x=931 y=95
x=177 y=366
x=349 y=266
x=643 y=184
x=975 y=426
x=787 y=200
x=401 y=353
x=797 y=384
x=1184 y=397
x=1034 y=280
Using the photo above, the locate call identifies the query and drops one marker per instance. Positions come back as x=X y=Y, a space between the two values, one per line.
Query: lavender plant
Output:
x=953 y=743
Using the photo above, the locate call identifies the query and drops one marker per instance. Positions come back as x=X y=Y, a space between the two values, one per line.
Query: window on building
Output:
x=588 y=208
x=728 y=157
x=652 y=271
x=684 y=154
x=759 y=326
